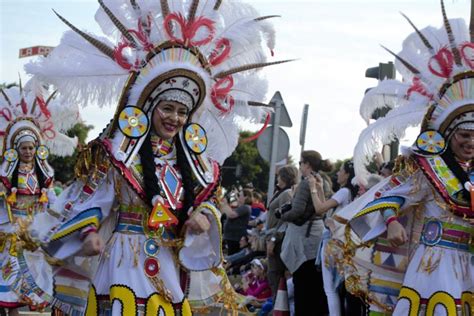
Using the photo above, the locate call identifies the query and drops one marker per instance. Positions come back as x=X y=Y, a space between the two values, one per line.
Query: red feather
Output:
x=257 y=134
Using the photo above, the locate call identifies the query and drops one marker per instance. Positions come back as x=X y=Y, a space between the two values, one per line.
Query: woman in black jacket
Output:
x=303 y=237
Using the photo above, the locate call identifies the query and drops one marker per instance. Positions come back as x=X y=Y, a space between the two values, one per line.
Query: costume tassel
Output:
x=44 y=196
x=11 y=199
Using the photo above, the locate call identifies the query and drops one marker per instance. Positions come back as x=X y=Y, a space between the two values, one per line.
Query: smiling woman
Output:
x=462 y=144
x=168 y=118
x=412 y=247
x=184 y=75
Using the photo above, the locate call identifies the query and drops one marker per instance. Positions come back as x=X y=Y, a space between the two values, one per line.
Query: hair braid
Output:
x=188 y=183
x=149 y=169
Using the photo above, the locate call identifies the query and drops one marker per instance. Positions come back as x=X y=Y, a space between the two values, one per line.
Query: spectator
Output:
x=257 y=206
x=372 y=180
x=341 y=198
x=244 y=245
x=255 y=283
x=303 y=236
x=237 y=220
x=257 y=250
x=386 y=169
x=275 y=228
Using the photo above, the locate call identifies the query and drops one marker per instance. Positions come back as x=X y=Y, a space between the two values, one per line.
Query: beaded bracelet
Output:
x=86 y=231
x=391 y=219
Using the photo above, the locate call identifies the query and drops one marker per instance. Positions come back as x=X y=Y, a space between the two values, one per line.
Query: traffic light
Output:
x=382 y=71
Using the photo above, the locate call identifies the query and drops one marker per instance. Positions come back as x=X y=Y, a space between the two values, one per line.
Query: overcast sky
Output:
x=334 y=42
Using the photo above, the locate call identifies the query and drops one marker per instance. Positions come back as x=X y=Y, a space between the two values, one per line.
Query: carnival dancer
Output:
x=29 y=130
x=424 y=263
x=184 y=75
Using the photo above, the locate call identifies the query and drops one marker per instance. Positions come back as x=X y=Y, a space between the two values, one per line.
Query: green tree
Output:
x=64 y=166
x=246 y=166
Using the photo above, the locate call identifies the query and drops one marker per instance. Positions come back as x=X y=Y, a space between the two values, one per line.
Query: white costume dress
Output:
x=433 y=272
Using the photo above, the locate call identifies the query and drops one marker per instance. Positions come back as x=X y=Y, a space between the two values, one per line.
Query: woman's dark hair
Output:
x=39 y=176
x=348 y=167
x=188 y=183
x=314 y=159
x=151 y=181
x=289 y=175
x=149 y=169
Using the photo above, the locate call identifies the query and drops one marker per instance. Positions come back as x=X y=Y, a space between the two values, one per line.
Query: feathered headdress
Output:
x=201 y=53
x=437 y=92
x=32 y=114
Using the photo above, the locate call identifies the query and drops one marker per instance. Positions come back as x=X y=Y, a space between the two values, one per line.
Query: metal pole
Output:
x=304 y=121
x=471 y=24
x=276 y=129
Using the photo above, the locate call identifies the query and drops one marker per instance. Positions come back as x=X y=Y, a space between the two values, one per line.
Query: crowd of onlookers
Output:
x=285 y=236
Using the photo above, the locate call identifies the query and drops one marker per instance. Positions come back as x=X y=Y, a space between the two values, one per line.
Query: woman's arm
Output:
x=227 y=210
x=317 y=197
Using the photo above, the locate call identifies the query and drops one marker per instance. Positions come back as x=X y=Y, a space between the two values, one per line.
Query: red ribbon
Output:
x=465 y=57
x=220 y=52
x=257 y=134
x=6 y=113
x=418 y=87
x=445 y=60
x=220 y=91
x=141 y=34
x=43 y=107
x=48 y=131
x=24 y=106
x=118 y=56
x=189 y=29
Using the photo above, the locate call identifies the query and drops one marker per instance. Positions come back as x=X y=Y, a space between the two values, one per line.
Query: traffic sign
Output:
x=264 y=144
x=285 y=119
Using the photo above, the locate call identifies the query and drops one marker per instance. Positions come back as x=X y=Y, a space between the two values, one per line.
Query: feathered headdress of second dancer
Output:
x=201 y=54
x=34 y=115
x=437 y=66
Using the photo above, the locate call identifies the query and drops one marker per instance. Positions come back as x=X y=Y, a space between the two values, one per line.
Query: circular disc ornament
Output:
x=431 y=142
x=133 y=122
x=42 y=152
x=10 y=155
x=196 y=138
x=151 y=266
x=432 y=232
x=151 y=247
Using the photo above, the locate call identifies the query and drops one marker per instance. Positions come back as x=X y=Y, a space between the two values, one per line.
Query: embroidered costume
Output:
x=431 y=192
x=28 y=116
x=199 y=54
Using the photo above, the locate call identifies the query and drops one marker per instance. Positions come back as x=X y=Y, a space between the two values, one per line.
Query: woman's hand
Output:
x=396 y=234
x=198 y=223
x=92 y=245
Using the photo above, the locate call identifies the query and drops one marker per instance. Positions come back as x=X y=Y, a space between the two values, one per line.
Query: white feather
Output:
x=383 y=131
